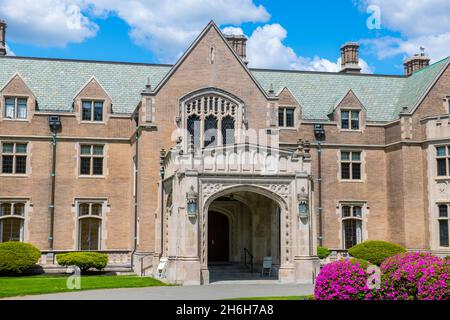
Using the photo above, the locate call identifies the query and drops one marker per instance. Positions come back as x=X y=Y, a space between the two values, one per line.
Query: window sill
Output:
x=93 y=122
x=12 y=175
x=288 y=128
x=351 y=131
x=351 y=181
x=16 y=120
x=442 y=178
x=91 y=177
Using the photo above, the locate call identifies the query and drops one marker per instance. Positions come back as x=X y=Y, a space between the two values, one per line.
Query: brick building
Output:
x=207 y=162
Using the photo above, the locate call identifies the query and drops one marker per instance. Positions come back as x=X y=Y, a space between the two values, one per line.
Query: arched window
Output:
x=210 y=131
x=211 y=119
x=228 y=130
x=193 y=127
x=12 y=215
x=351 y=225
x=89 y=226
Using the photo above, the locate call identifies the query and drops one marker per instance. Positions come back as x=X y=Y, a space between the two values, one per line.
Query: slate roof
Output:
x=55 y=83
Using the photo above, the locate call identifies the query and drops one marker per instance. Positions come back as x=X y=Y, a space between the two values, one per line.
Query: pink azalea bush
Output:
x=414 y=276
x=407 y=276
x=341 y=280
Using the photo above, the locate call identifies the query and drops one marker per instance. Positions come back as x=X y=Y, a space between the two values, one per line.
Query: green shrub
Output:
x=364 y=263
x=447 y=258
x=322 y=252
x=375 y=251
x=83 y=260
x=17 y=257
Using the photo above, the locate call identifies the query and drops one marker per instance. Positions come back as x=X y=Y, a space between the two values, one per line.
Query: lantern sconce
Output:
x=303 y=207
x=192 y=200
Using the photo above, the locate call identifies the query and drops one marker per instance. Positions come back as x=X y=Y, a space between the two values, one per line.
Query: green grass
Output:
x=30 y=285
x=274 y=298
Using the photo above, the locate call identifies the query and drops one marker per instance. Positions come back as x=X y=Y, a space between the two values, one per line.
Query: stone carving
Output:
x=442 y=187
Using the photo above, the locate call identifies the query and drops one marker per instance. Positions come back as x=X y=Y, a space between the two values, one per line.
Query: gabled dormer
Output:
x=92 y=103
x=17 y=100
x=349 y=113
x=289 y=111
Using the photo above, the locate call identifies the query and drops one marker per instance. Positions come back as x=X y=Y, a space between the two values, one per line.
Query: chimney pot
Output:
x=239 y=45
x=350 y=58
x=416 y=63
x=3 y=37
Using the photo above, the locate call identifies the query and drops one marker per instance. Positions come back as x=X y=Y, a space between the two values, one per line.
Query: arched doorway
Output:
x=243 y=229
x=218 y=237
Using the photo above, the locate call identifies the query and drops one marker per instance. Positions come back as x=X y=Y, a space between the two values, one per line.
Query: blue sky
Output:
x=282 y=34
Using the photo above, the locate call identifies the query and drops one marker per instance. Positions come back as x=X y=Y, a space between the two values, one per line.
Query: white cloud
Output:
x=420 y=22
x=9 y=52
x=167 y=28
x=53 y=23
x=233 y=31
x=265 y=49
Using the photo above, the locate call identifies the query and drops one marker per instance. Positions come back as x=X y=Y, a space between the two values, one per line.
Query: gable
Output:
x=349 y=101
x=93 y=89
x=211 y=58
x=285 y=97
x=16 y=86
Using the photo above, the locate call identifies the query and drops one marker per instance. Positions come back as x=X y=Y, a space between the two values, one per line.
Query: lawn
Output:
x=30 y=285
x=275 y=298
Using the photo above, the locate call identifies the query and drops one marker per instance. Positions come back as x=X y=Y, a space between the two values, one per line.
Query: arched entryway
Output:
x=243 y=230
x=218 y=237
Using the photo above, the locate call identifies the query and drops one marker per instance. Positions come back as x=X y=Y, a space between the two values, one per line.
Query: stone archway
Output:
x=254 y=214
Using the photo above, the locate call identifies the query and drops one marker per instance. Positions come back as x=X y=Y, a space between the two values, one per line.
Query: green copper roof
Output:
x=383 y=96
x=56 y=82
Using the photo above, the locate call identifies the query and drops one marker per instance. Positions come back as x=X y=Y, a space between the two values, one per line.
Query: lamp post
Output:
x=54 y=123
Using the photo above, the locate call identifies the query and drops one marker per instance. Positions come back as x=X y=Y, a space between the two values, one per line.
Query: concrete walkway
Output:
x=216 y=291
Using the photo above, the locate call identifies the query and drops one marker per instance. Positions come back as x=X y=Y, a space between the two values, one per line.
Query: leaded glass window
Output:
x=228 y=130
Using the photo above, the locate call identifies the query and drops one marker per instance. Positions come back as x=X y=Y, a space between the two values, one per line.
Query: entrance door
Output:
x=218 y=237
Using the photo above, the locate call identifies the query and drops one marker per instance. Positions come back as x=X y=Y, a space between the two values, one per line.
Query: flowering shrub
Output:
x=414 y=276
x=341 y=280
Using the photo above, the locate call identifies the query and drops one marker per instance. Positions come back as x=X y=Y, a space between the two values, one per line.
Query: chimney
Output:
x=239 y=45
x=415 y=63
x=2 y=38
x=350 y=58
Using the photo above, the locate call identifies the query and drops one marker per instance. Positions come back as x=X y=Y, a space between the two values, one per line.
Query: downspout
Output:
x=319 y=184
x=53 y=190
x=136 y=193
x=161 y=171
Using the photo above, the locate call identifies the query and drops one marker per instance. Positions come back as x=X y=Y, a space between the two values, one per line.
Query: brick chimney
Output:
x=239 y=45
x=2 y=38
x=350 y=58
x=415 y=63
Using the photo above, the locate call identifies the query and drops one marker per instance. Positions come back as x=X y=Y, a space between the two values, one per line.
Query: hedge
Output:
x=83 y=260
x=323 y=252
x=17 y=257
x=375 y=251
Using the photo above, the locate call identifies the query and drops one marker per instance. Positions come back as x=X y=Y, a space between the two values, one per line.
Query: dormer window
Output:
x=92 y=110
x=350 y=120
x=286 y=117
x=16 y=108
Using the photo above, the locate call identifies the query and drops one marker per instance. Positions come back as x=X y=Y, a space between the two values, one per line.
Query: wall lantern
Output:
x=303 y=208
x=191 y=200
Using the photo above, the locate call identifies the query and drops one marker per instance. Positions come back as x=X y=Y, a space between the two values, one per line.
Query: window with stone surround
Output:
x=92 y=110
x=351 y=164
x=350 y=119
x=90 y=216
x=352 y=221
x=16 y=108
x=443 y=161
x=286 y=117
x=13 y=158
x=91 y=160
x=211 y=121
x=443 y=221
x=12 y=217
